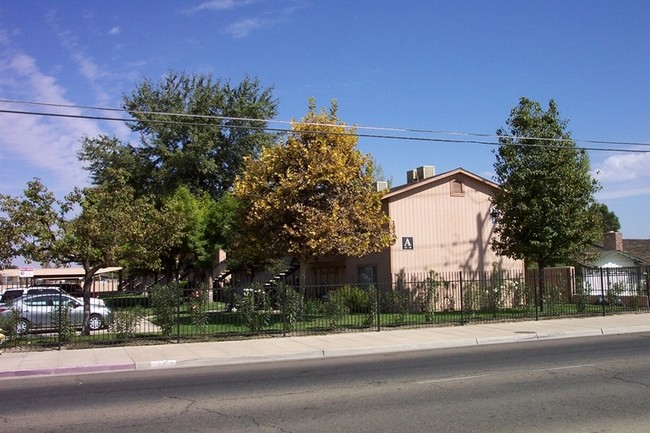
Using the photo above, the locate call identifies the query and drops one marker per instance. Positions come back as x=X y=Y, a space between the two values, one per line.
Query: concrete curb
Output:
x=66 y=370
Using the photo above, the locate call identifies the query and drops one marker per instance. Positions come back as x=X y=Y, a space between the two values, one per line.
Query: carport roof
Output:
x=58 y=272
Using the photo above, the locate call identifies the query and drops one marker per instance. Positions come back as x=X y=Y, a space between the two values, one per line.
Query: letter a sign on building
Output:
x=407 y=243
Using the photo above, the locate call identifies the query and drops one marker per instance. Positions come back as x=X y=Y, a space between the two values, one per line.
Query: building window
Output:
x=368 y=276
x=457 y=188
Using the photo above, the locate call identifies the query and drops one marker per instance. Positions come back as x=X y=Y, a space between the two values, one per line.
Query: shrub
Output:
x=371 y=316
x=396 y=302
x=255 y=308
x=291 y=306
x=165 y=301
x=355 y=298
x=60 y=317
x=198 y=307
x=614 y=292
x=473 y=297
x=335 y=309
x=124 y=322
x=8 y=324
x=428 y=295
x=313 y=307
x=581 y=297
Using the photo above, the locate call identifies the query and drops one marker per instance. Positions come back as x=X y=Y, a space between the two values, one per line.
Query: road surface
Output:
x=596 y=384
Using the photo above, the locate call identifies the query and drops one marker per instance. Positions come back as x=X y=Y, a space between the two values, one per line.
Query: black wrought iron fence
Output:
x=174 y=312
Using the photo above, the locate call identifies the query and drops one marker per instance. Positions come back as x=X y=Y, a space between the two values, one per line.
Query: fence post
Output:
x=177 y=295
x=60 y=343
x=602 y=291
x=535 y=286
x=283 y=293
x=647 y=287
x=462 y=299
x=377 y=309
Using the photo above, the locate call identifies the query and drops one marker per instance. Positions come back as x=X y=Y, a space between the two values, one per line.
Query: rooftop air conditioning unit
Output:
x=381 y=185
x=426 y=171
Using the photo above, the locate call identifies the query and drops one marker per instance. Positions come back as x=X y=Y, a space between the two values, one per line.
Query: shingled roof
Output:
x=638 y=247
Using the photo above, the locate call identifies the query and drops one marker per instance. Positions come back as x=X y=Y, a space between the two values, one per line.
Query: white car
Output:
x=40 y=312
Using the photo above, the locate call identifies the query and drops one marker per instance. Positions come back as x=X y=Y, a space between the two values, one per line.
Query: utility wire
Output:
x=289 y=130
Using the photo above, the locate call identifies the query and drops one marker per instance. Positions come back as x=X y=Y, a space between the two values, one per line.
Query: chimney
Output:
x=613 y=241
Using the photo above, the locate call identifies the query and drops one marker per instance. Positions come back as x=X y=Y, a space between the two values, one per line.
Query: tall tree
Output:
x=311 y=195
x=544 y=211
x=96 y=227
x=610 y=221
x=194 y=134
x=196 y=131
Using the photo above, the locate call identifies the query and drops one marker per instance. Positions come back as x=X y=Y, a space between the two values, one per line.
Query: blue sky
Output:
x=453 y=67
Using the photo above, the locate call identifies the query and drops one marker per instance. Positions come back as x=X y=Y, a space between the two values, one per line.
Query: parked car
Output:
x=10 y=294
x=39 y=312
x=73 y=289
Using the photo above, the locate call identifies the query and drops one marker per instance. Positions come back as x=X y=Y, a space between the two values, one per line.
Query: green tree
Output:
x=311 y=195
x=544 y=211
x=95 y=227
x=111 y=161
x=204 y=225
x=609 y=219
x=196 y=131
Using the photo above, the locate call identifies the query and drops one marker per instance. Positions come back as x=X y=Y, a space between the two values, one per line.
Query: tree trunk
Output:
x=89 y=274
x=303 y=276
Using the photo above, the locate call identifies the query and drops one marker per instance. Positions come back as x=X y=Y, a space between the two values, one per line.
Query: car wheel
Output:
x=95 y=322
x=22 y=326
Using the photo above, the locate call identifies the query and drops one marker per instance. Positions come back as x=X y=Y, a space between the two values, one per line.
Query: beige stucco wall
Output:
x=450 y=233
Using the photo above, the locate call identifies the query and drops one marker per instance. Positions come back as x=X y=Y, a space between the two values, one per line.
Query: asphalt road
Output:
x=596 y=384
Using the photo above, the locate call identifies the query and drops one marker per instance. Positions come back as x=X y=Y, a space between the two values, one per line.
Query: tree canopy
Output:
x=311 y=195
x=544 y=211
x=194 y=131
x=194 y=134
x=203 y=230
x=610 y=221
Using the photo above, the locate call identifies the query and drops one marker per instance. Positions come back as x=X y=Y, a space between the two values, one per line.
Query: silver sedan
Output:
x=49 y=311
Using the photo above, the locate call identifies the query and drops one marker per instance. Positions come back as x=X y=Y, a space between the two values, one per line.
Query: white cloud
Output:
x=243 y=28
x=624 y=167
x=42 y=146
x=115 y=31
x=219 y=5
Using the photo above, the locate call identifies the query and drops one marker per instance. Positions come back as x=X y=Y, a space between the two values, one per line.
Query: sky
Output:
x=452 y=69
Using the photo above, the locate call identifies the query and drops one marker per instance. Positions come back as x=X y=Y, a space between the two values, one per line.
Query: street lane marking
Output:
x=566 y=367
x=451 y=379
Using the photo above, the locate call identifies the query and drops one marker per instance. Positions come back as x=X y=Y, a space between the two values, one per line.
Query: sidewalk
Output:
x=21 y=364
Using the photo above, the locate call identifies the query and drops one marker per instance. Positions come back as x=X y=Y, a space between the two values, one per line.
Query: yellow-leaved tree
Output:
x=310 y=195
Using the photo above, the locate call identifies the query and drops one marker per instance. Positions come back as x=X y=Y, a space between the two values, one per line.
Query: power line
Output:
x=289 y=130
